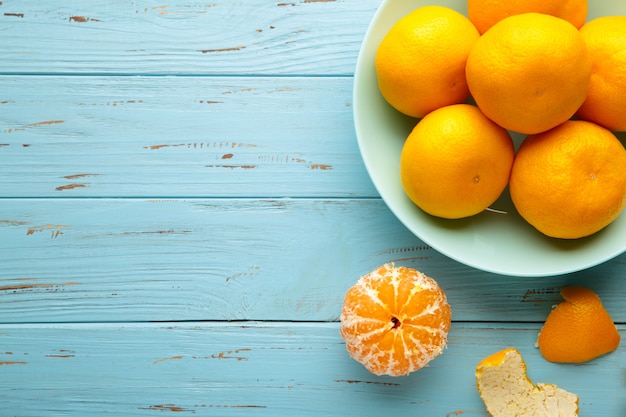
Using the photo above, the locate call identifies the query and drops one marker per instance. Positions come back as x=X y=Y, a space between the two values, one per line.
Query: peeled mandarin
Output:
x=395 y=320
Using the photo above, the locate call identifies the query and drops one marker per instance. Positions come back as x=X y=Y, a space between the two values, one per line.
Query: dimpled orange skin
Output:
x=420 y=63
x=456 y=162
x=395 y=320
x=570 y=182
x=486 y=13
x=579 y=329
x=606 y=99
x=529 y=72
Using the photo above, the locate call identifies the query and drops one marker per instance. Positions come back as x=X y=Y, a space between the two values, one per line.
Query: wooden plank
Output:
x=179 y=136
x=181 y=37
x=264 y=369
x=235 y=259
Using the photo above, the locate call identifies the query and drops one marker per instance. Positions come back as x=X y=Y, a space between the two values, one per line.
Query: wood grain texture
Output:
x=179 y=136
x=183 y=206
x=264 y=369
x=236 y=259
x=182 y=37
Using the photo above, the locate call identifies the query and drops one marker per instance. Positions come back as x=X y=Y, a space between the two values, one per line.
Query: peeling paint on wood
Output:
x=165 y=10
x=407 y=249
x=455 y=413
x=63 y=354
x=241 y=90
x=31 y=125
x=14 y=15
x=172 y=358
x=20 y=287
x=227 y=355
x=74 y=176
x=234 y=48
x=410 y=259
x=536 y=295
x=252 y=271
x=55 y=228
x=298 y=160
x=13 y=223
x=232 y=166
x=82 y=19
x=179 y=12
x=154 y=147
x=356 y=381
x=176 y=409
x=122 y=103
x=24 y=145
x=201 y=145
x=168 y=407
x=323 y=167
x=116 y=103
x=158 y=232
x=70 y=186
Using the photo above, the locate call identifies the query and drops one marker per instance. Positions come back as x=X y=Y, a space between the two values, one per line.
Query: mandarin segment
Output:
x=395 y=320
x=507 y=391
x=579 y=329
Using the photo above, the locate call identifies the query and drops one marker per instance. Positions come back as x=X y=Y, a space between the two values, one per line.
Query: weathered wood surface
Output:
x=68 y=136
x=264 y=369
x=310 y=37
x=237 y=259
x=183 y=206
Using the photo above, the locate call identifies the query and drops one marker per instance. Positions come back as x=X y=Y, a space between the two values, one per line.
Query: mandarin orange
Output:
x=529 y=72
x=420 y=63
x=395 y=320
x=456 y=162
x=486 y=13
x=570 y=181
x=605 y=103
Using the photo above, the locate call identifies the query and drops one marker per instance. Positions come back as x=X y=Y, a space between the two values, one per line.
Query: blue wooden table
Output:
x=183 y=206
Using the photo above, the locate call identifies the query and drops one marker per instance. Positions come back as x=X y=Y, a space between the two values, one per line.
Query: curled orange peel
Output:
x=579 y=329
x=507 y=391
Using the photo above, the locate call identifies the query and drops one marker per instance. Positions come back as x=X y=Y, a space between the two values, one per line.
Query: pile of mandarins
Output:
x=533 y=67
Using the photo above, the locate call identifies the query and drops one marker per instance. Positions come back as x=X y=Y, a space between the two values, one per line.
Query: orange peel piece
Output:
x=507 y=391
x=579 y=329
